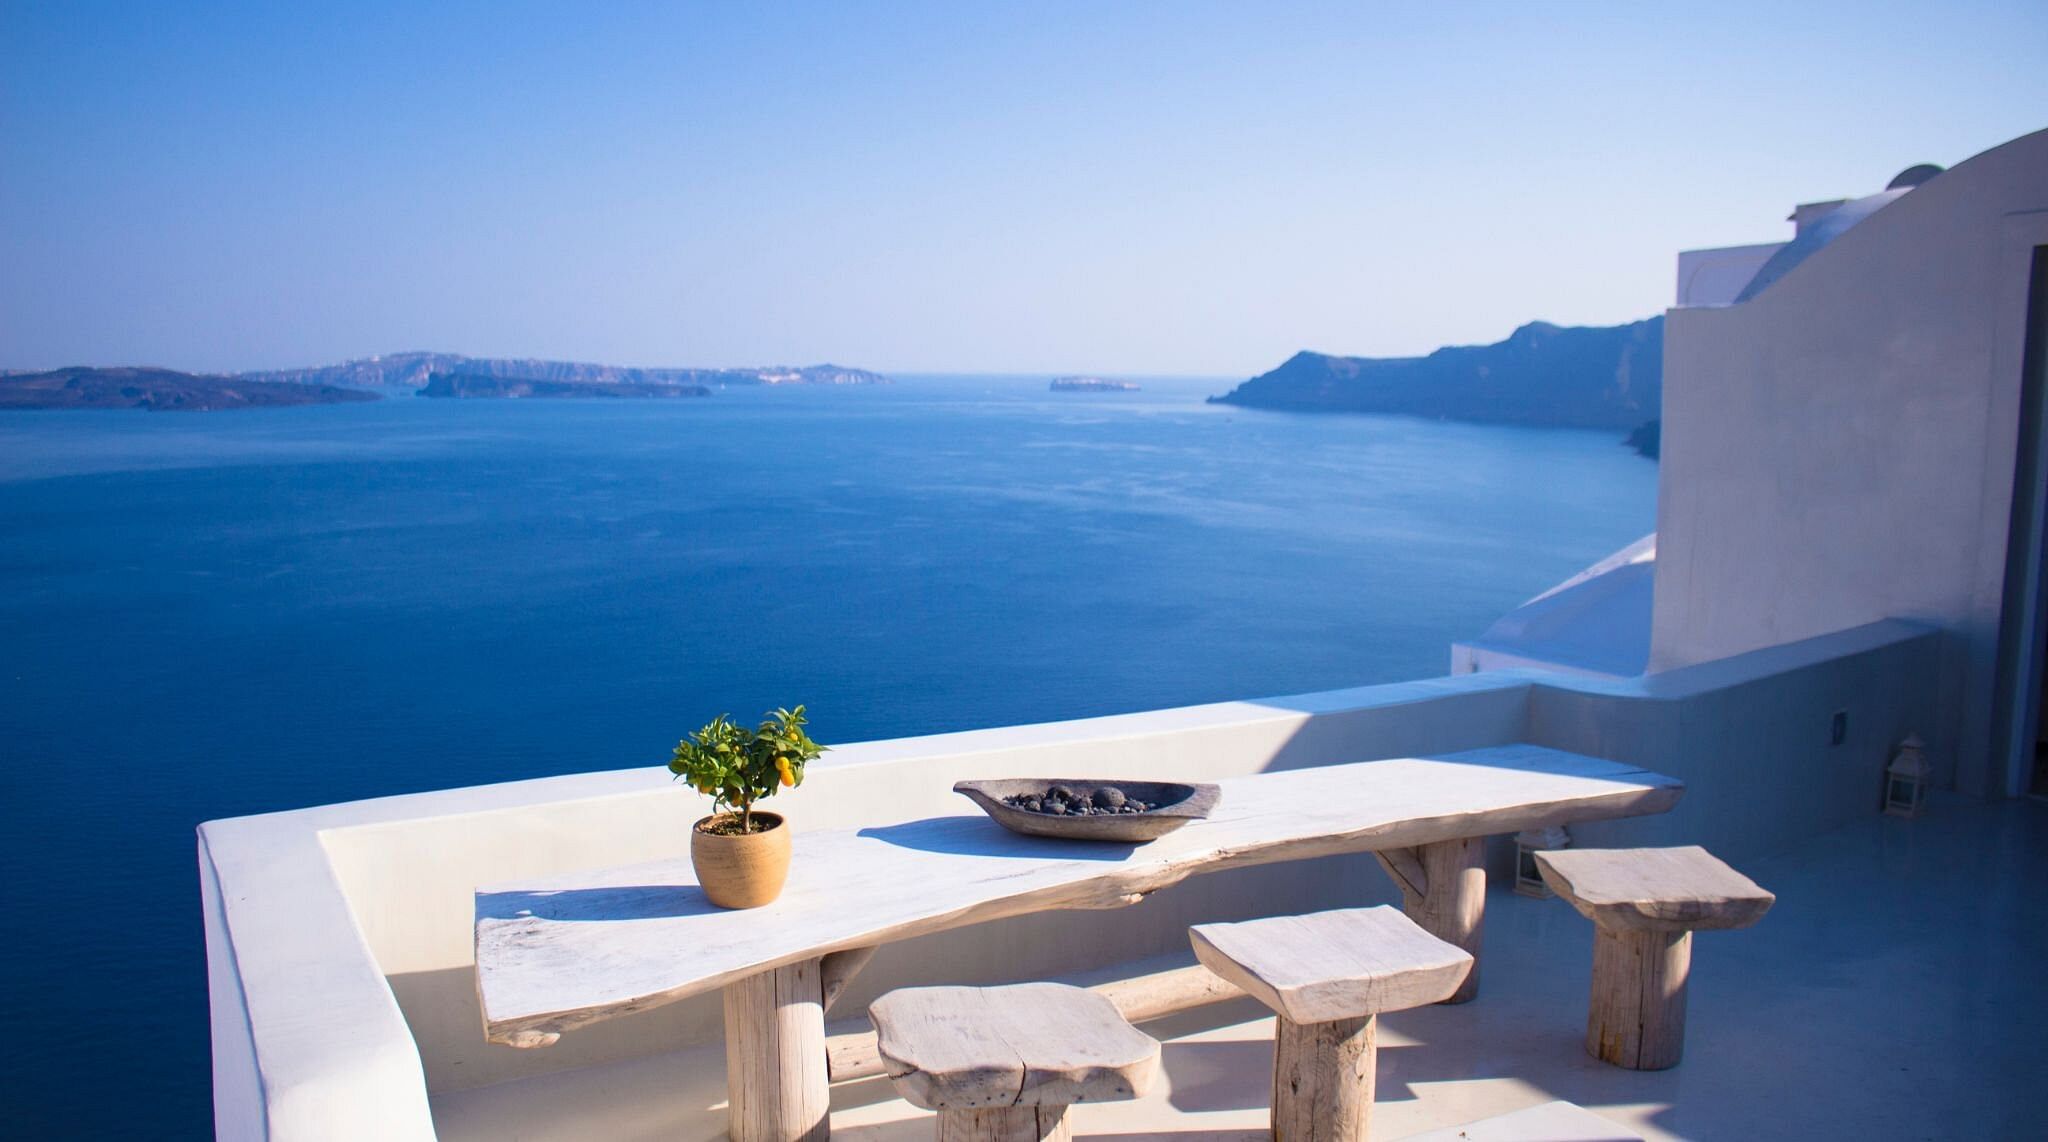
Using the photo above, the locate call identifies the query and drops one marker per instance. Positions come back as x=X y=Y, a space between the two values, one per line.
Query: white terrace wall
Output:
x=1839 y=449
x=1751 y=736
x=410 y=883
x=339 y=938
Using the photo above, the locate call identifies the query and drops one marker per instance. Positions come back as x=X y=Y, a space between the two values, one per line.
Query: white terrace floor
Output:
x=1896 y=992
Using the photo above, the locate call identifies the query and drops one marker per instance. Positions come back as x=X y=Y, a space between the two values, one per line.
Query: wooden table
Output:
x=559 y=952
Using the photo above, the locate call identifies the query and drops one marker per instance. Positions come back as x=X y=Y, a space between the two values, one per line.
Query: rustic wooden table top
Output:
x=558 y=952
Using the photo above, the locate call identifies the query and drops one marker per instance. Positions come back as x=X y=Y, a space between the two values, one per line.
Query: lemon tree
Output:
x=736 y=766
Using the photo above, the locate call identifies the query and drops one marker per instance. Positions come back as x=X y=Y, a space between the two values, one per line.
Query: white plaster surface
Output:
x=1839 y=448
x=1558 y=1121
x=1716 y=276
x=1893 y=992
x=343 y=985
x=1596 y=623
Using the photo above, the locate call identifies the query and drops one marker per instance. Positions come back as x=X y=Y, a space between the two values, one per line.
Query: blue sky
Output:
x=1046 y=187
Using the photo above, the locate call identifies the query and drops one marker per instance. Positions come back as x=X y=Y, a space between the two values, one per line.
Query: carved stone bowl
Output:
x=1173 y=805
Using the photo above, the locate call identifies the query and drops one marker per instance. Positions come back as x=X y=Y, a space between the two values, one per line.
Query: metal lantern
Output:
x=1529 y=842
x=1906 y=779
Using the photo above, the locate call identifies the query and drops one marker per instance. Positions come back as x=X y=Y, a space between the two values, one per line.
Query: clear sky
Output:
x=950 y=187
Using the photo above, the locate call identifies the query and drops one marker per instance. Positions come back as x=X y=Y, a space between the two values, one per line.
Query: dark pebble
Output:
x=1060 y=801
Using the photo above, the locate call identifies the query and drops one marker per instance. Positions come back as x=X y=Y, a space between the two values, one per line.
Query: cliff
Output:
x=415 y=370
x=1543 y=375
x=159 y=390
x=476 y=386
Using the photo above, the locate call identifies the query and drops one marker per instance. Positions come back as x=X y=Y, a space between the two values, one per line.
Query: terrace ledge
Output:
x=311 y=1043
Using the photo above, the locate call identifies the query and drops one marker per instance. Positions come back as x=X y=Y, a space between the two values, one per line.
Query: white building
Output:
x=1844 y=444
x=1846 y=418
x=1848 y=550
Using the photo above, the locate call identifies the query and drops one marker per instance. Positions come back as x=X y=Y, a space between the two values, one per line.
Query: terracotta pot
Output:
x=745 y=870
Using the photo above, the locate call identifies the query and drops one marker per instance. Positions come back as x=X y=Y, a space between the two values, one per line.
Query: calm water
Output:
x=207 y=615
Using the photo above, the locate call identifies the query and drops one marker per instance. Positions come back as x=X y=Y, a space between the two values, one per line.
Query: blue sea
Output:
x=211 y=614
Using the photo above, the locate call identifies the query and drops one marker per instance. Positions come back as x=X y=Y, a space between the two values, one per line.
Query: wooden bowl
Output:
x=1173 y=804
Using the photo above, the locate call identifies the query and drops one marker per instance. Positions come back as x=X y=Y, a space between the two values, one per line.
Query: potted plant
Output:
x=741 y=855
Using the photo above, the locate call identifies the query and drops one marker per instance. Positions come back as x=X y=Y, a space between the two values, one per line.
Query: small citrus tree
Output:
x=737 y=766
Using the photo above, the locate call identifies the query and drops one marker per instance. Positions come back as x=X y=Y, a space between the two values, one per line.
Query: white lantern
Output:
x=1529 y=842
x=1906 y=778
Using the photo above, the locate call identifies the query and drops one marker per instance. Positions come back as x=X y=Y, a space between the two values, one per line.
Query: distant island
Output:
x=417 y=370
x=480 y=386
x=434 y=374
x=1091 y=385
x=1542 y=375
x=159 y=390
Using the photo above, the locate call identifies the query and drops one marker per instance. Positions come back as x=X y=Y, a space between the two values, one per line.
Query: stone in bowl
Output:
x=1173 y=805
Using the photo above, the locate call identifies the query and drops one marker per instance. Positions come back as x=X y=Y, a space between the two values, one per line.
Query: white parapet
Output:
x=340 y=945
x=1595 y=624
x=1717 y=276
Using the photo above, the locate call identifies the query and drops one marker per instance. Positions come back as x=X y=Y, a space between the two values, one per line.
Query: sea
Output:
x=211 y=614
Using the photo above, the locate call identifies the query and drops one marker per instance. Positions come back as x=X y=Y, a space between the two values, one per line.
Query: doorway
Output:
x=2022 y=693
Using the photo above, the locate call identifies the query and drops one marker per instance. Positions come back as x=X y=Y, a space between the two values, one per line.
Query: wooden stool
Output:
x=1327 y=975
x=1645 y=905
x=1002 y=1064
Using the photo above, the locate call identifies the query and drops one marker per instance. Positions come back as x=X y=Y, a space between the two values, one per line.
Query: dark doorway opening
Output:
x=2023 y=635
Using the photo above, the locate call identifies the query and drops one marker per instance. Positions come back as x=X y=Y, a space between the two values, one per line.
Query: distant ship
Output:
x=1091 y=385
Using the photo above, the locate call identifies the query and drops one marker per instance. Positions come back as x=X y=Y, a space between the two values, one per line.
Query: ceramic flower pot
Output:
x=741 y=870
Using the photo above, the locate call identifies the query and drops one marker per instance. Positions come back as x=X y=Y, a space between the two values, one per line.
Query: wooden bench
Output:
x=1645 y=905
x=1003 y=1064
x=557 y=952
x=1327 y=976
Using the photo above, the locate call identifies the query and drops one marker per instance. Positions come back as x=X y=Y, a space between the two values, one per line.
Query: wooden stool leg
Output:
x=775 y=1056
x=1637 y=1015
x=1322 y=1080
x=1443 y=889
x=1006 y=1124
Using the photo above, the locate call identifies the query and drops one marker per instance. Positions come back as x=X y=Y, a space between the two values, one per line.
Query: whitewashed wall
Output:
x=1716 y=277
x=339 y=938
x=1839 y=449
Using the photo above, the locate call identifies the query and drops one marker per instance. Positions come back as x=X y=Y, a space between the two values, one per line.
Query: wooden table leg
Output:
x=1323 y=1080
x=775 y=1056
x=1443 y=889
x=1637 y=1016
x=1006 y=1124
